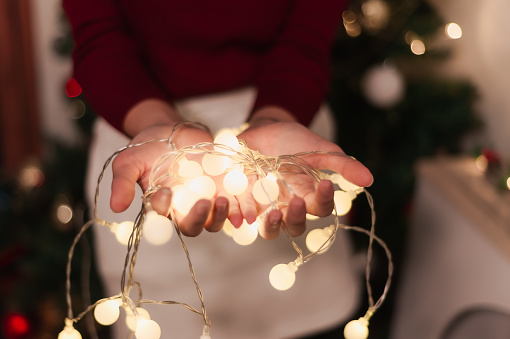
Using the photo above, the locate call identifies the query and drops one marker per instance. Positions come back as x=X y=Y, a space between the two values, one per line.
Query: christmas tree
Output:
x=392 y=109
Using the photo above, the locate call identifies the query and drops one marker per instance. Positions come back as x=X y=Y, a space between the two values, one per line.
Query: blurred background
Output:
x=419 y=93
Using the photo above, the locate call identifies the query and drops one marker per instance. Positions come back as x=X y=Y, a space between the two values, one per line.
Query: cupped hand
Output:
x=134 y=165
x=286 y=138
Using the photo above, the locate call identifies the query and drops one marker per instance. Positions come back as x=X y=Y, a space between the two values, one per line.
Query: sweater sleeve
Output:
x=295 y=73
x=107 y=62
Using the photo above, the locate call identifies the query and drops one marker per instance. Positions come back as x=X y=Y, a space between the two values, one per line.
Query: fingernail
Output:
x=203 y=208
x=274 y=222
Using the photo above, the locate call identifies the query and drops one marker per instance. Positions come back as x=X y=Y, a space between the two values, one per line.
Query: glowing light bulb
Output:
x=311 y=217
x=205 y=336
x=235 y=182
x=227 y=138
x=356 y=329
x=344 y=184
x=246 y=234
x=228 y=228
x=157 y=229
x=183 y=199
x=132 y=320
x=318 y=237
x=123 y=231
x=508 y=183
x=203 y=185
x=482 y=163
x=190 y=169
x=265 y=190
x=214 y=164
x=343 y=202
x=106 y=313
x=453 y=31
x=69 y=332
x=283 y=276
x=147 y=329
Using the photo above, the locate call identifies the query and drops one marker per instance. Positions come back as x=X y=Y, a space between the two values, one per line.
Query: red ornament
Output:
x=15 y=326
x=73 y=88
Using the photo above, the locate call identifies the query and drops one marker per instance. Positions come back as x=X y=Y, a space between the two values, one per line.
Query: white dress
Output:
x=234 y=279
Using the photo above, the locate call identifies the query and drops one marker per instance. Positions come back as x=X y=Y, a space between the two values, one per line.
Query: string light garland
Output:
x=200 y=171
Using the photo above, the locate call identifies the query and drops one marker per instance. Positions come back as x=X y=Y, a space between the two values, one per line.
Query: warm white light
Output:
x=283 y=276
x=123 y=231
x=183 y=199
x=214 y=164
x=227 y=138
x=453 y=31
x=69 y=332
x=203 y=185
x=311 y=217
x=344 y=184
x=228 y=228
x=343 y=202
x=107 y=313
x=356 y=329
x=482 y=163
x=235 y=182
x=417 y=47
x=132 y=320
x=64 y=213
x=264 y=188
x=508 y=183
x=147 y=329
x=190 y=169
x=318 y=237
x=246 y=234
x=157 y=229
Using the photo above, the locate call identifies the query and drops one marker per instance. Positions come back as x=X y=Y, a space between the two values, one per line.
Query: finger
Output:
x=321 y=201
x=123 y=186
x=234 y=212
x=248 y=207
x=271 y=226
x=295 y=216
x=160 y=201
x=193 y=223
x=351 y=169
x=218 y=215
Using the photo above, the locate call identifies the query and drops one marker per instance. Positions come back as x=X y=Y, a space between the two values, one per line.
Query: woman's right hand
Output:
x=153 y=119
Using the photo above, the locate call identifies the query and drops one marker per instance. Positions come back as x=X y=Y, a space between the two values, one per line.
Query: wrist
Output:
x=149 y=113
x=270 y=114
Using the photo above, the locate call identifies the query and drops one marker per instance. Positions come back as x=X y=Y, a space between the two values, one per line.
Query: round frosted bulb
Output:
x=214 y=164
x=227 y=138
x=317 y=238
x=283 y=276
x=235 y=182
x=203 y=185
x=157 y=229
x=183 y=199
x=270 y=186
x=107 y=313
x=190 y=169
x=228 y=228
x=356 y=329
x=343 y=183
x=343 y=202
x=147 y=329
x=311 y=217
x=246 y=234
x=69 y=332
x=132 y=320
x=123 y=232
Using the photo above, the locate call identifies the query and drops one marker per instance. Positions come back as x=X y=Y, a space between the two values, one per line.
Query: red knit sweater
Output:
x=130 y=50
